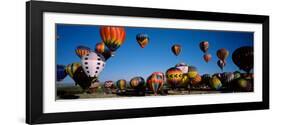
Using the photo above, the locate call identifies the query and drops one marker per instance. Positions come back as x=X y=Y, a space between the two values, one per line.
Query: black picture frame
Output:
x=34 y=61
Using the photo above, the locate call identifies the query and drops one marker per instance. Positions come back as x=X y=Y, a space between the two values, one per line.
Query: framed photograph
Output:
x=95 y=62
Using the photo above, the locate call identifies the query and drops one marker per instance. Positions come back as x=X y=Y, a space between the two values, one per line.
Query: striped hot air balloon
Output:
x=103 y=50
x=72 y=68
x=155 y=82
x=121 y=85
x=142 y=39
x=82 y=50
x=113 y=36
x=174 y=76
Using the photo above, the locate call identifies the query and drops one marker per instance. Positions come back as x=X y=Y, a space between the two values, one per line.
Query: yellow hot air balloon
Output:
x=72 y=68
x=215 y=83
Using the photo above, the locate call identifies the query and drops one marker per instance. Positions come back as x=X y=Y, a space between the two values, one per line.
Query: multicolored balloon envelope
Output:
x=121 y=84
x=243 y=57
x=221 y=64
x=183 y=67
x=222 y=54
x=72 y=68
x=93 y=64
x=103 y=50
x=196 y=80
x=215 y=83
x=81 y=78
x=176 y=49
x=61 y=73
x=109 y=84
x=204 y=45
x=113 y=36
x=142 y=39
x=155 y=82
x=137 y=83
x=174 y=76
x=82 y=50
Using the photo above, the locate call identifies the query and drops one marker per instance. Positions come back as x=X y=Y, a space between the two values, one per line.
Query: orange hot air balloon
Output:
x=196 y=80
x=82 y=50
x=113 y=36
x=222 y=54
x=176 y=49
x=207 y=57
x=155 y=82
x=103 y=50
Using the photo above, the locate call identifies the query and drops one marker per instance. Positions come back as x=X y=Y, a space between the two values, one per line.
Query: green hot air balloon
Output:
x=121 y=85
x=215 y=83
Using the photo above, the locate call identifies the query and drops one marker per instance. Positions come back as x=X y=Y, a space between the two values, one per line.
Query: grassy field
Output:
x=75 y=92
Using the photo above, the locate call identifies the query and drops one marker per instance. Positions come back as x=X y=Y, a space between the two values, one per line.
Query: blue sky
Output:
x=131 y=60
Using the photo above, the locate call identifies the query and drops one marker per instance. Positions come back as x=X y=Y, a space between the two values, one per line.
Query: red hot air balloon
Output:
x=176 y=49
x=103 y=50
x=113 y=36
x=204 y=45
x=207 y=57
x=82 y=50
x=222 y=54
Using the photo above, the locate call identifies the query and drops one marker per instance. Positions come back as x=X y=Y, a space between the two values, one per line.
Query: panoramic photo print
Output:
x=94 y=61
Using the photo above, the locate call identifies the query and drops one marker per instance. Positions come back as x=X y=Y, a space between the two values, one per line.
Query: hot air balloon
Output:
x=184 y=81
x=192 y=72
x=113 y=36
x=215 y=83
x=93 y=64
x=142 y=39
x=176 y=49
x=103 y=50
x=82 y=79
x=137 y=83
x=183 y=67
x=82 y=50
x=94 y=86
x=243 y=58
x=196 y=80
x=221 y=64
x=109 y=84
x=244 y=85
x=207 y=57
x=174 y=76
x=72 y=68
x=237 y=74
x=155 y=82
x=206 y=78
x=121 y=85
x=222 y=54
x=204 y=45
x=61 y=73
x=227 y=77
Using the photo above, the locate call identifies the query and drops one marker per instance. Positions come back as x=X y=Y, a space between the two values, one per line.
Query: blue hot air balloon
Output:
x=61 y=73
